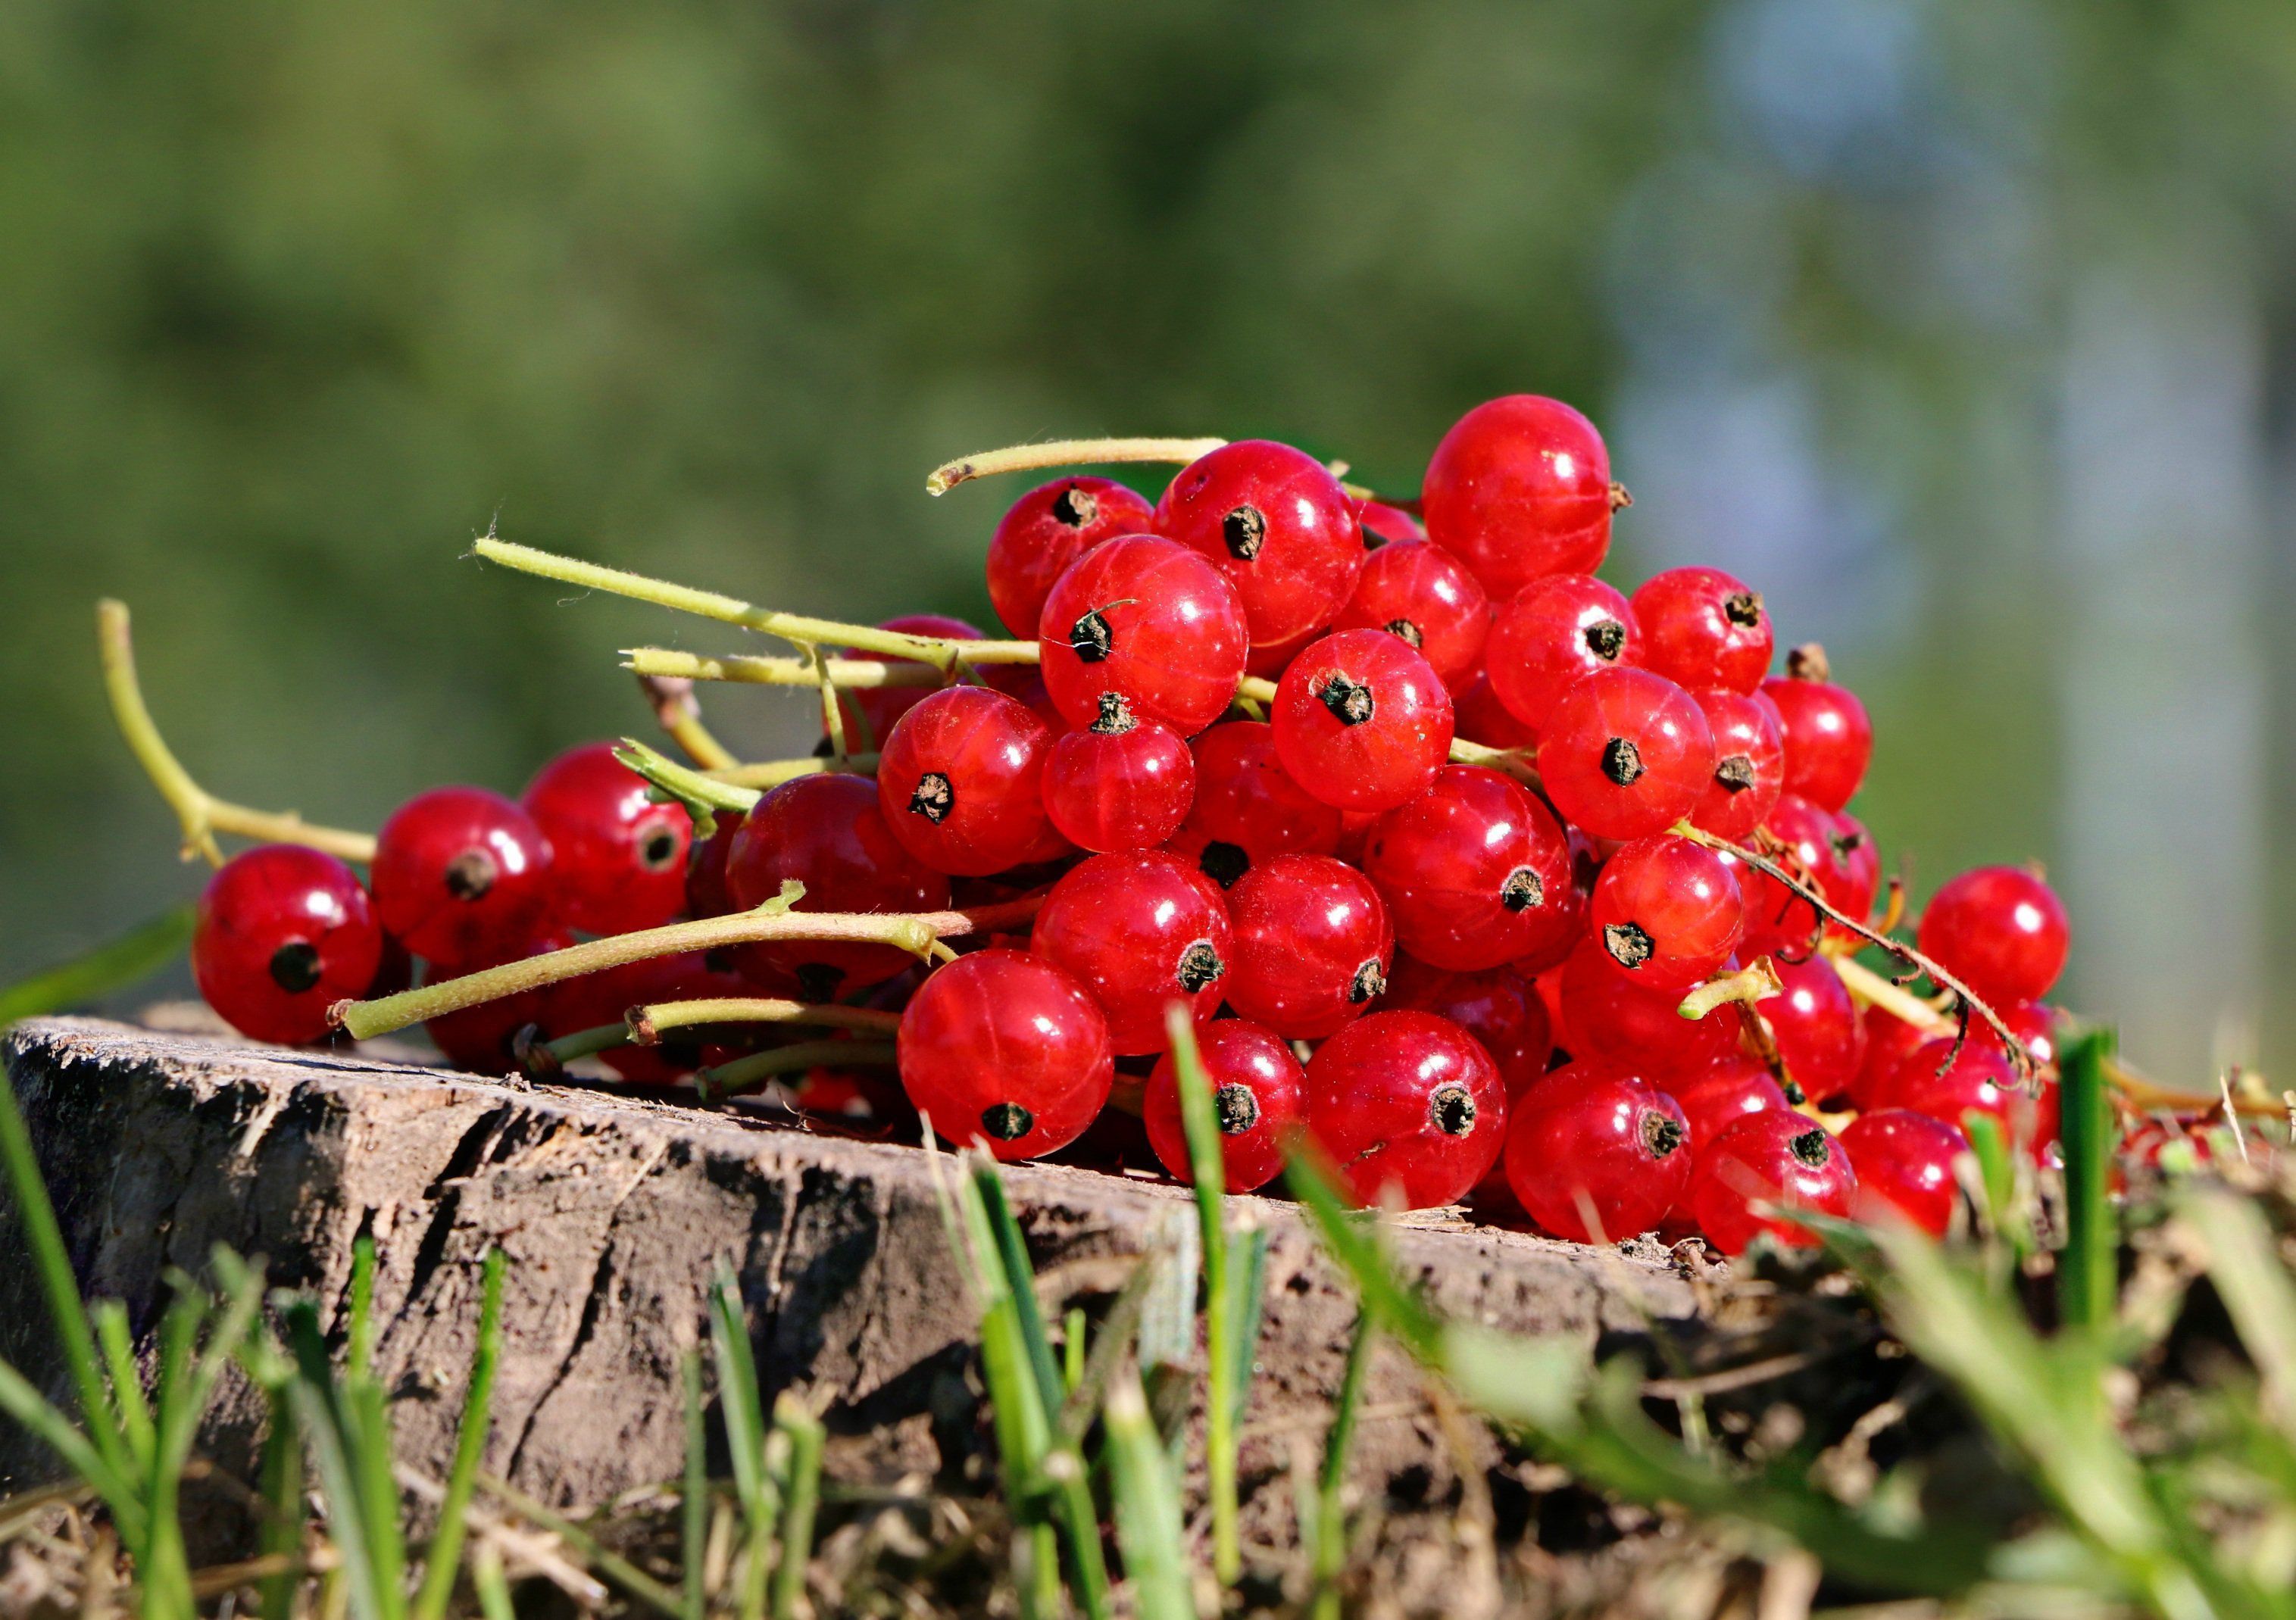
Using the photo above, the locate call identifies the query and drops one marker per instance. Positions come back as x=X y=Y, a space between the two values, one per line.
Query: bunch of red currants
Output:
x=1497 y=884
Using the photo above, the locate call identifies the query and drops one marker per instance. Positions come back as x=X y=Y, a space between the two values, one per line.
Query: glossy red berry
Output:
x=1118 y=783
x=284 y=933
x=1701 y=628
x=1750 y=763
x=1258 y=1094
x=1312 y=945
x=618 y=860
x=1140 y=931
x=1497 y=1006
x=1361 y=720
x=1151 y=621
x=1597 y=1155
x=706 y=892
x=1407 y=1106
x=1047 y=530
x=484 y=1038
x=1667 y=912
x=1625 y=753
x=1425 y=595
x=1828 y=740
x=1712 y=1097
x=1385 y=525
x=1247 y=807
x=1003 y=1049
x=1570 y=920
x=1474 y=870
x=460 y=873
x=1887 y=1040
x=1818 y=1027
x=2001 y=930
x=1905 y=1169
x=1782 y=1158
x=1932 y=1080
x=1550 y=634
x=2038 y=1025
x=1608 y=1017
x=1519 y=487
x=960 y=780
x=1814 y=846
x=1478 y=716
x=829 y=834
x=1275 y=521
x=869 y=712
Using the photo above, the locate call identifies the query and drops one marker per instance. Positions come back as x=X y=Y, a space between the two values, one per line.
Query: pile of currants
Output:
x=1502 y=886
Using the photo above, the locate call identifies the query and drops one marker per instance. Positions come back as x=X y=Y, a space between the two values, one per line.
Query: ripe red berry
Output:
x=1258 y=1094
x=1474 y=870
x=1750 y=763
x=1701 y=628
x=1611 y=1019
x=1497 y=1006
x=1006 y=1050
x=1555 y=630
x=1818 y=1027
x=1828 y=740
x=1478 y=716
x=1408 y=1106
x=1770 y=1157
x=1597 y=1155
x=1425 y=595
x=1667 y=912
x=1361 y=720
x=1047 y=530
x=870 y=712
x=1140 y=931
x=1905 y=1169
x=1570 y=920
x=1275 y=521
x=2001 y=930
x=2038 y=1025
x=618 y=860
x=1118 y=783
x=1519 y=487
x=284 y=933
x=1887 y=1040
x=706 y=893
x=1312 y=945
x=1150 y=621
x=1625 y=753
x=1931 y=1080
x=829 y=834
x=1385 y=525
x=460 y=873
x=960 y=783
x=483 y=1038
x=1712 y=1097
x=1813 y=844
x=1247 y=807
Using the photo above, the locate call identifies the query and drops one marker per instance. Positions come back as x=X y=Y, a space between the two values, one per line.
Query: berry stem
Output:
x=773 y=773
x=1066 y=452
x=645 y=1023
x=1757 y=981
x=201 y=814
x=663 y=663
x=679 y=712
x=1508 y=761
x=747 y=1074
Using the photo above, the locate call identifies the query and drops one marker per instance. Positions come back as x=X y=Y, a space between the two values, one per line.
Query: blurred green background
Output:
x=1965 y=330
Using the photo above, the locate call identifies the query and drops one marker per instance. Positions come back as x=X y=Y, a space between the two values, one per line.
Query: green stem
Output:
x=750 y=669
x=1066 y=452
x=646 y=1023
x=744 y=1074
x=773 y=773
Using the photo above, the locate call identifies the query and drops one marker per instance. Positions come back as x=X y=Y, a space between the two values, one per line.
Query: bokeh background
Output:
x=1965 y=329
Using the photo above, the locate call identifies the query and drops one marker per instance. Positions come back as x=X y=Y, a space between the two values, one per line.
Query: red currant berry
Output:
x=1385 y=525
x=1811 y=843
x=1312 y=945
x=1828 y=740
x=1425 y=595
x=1771 y=1158
x=1519 y=487
x=1003 y=1049
x=870 y=712
x=1611 y=1019
x=1596 y=1156
x=1712 y=1097
x=484 y=1038
x=1905 y=1169
x=1480 y=718
x=1701 y=628
x=1818 y=1027
x=1625 y=753
x=1860 y=860
x=829 y=834
x=284 y=933
x=2001 y=930
x=2038 y=1025
x=1275 y=521
x=706 y=892
x=1472 y=871
x=1750 y=763
x=1140 y=931
x=1887 y=1040
x=1247 y=807
x=1408 y=1106
x=1666 y=911
x=1931 y=1080
x=959 y=782
x=1150 y=621
x=1570 y=930
x=460 y=873
x=1047 y=530
x=1361 y=720
x=1549 y=634
x=1119 y=783
x=1497 y=1007
x=1258 y=1094
x=617 y=859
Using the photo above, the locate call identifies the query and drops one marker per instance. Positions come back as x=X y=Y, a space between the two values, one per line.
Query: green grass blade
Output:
x=2245 y=1265
x=1247 y=1276
x=359 y=1336
x=801 y=1502
x=445 y=1550
x=693 y=1507
x=610 y=1564
x=1147 y=1505
x=114 y=965
x=47 y=1424
x=319 y=1412
x=1020 y=1276
x=1072 y=1349
x=162 y=1566
x=1208 y=1175
x=2088 y=1271
x=1329 y=1541
x=741 y=1409
x=283 y=1497
x=371 y=1453
x=493 y=1589
x=1354 y=1241
x=110 y=1319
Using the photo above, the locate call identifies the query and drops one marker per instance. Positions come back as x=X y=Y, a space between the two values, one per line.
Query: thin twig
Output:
x=1066 y=452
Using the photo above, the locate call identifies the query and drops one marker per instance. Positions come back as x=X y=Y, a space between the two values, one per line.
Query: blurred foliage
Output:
x=299 y=298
